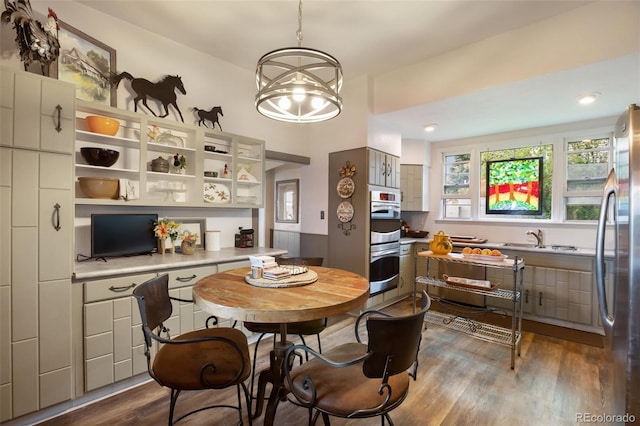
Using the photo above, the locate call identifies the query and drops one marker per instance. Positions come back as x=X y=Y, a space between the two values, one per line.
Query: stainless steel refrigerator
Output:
x=619 y=299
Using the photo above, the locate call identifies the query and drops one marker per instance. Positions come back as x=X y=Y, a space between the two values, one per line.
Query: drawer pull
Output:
x=186 y=279
x=540 y=301
x=56 y=215
x=121 y=289
x=59 y=125
x=526 y=296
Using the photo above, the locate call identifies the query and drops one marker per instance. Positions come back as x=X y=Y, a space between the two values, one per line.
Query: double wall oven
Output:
x=384 y=243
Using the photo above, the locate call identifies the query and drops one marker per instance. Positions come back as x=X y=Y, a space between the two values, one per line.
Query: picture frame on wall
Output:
x=88 y=63
x=287 y=199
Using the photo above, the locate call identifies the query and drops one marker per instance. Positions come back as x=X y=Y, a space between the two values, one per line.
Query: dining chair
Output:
x=210 y=358
x=358 y=379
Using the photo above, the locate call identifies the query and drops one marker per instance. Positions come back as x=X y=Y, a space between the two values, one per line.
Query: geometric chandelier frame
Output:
x=297 y=84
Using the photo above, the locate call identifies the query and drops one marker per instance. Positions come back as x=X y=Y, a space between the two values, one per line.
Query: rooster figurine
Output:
x=36 y=42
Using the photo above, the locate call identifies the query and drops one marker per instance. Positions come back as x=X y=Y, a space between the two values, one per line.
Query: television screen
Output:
x=122 y=234
x=514 y=186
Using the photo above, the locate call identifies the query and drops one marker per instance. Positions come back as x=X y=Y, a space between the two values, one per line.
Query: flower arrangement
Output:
x=188 y=244
x=189 y=237
x=166 y=228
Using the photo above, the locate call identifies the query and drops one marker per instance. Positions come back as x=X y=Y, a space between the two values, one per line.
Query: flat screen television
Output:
x=114 y=235
x=514 y=186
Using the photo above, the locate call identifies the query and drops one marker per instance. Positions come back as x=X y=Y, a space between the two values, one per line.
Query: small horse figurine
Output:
x=211 y=115
x=164 y=91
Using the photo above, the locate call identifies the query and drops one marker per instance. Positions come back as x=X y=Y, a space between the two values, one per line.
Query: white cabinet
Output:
x=559 y=289
x=563 y=294
x=113 y=345
x=113 y=339
x=413 y=187
x=384 y=169
x=407 y=269
x=37 y=236
x=221 y=169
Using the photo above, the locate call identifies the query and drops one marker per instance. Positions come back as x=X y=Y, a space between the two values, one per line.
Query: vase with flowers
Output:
x=166 y=229
x=189 y=240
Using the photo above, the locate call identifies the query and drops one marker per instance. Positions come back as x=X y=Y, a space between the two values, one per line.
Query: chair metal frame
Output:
x=157 y=289
x=383 y=357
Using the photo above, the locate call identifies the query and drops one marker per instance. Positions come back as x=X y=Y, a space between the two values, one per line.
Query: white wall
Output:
x=209 y=82
x=504 y=230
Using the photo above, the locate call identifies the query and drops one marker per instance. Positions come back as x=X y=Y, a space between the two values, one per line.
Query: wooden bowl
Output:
x=103 y=125
x=99 y=187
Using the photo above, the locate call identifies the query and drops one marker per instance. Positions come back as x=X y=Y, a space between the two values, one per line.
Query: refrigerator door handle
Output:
x=610 y=193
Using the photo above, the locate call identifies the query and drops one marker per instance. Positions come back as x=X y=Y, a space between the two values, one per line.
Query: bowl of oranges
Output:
x=483 y=254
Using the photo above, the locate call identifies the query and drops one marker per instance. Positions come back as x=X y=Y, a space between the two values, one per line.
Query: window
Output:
x=456 y=199
x=544 y=151
x=588 y=163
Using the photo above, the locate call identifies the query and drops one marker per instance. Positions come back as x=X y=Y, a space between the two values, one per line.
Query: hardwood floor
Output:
x=461 y=380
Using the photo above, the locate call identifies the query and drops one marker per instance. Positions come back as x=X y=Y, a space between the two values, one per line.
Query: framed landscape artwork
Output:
x=87 y=63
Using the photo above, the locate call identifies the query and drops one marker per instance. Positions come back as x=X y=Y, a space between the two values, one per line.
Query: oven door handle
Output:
x=385 y=253
x=384 y=207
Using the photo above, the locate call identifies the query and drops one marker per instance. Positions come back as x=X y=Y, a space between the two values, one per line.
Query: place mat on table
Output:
x=297 y=280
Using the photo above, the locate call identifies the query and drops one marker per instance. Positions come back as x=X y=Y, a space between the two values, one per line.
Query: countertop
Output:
x=92 y=269
x=548 y=249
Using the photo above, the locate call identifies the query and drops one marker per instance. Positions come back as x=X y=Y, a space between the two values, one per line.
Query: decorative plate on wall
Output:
x=216 y=193
x=345 y=211
x=346 y=187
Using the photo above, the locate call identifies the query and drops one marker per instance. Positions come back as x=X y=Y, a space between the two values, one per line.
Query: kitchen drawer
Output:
x=189 y=276
x=406 y=249
x=113 y=288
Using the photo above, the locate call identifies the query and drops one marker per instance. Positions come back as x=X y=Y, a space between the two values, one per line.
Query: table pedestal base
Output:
x=274 y=375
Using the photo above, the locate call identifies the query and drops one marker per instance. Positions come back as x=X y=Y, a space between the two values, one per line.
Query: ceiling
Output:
x=376 y=36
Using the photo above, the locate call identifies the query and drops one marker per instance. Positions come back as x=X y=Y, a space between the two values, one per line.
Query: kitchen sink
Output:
x=525 y=245
x=533 y=246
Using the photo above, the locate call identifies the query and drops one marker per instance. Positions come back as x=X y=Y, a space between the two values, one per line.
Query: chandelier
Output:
x=298 y=84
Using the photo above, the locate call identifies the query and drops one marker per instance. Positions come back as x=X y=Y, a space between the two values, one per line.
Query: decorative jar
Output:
x=441 y=244
x=188 y=247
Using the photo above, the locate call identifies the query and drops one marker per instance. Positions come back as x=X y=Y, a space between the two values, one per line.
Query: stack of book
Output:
x=275 y=273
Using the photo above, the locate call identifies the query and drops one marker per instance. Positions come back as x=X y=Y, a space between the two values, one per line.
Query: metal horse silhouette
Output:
x=211 y=115
x=163 y=91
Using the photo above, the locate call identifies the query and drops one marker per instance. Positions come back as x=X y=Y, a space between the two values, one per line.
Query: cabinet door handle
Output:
x=526 y=296
x=121 y=289
x=56 y=217
x=540 y=301
x=186 y=279
x=59 y=125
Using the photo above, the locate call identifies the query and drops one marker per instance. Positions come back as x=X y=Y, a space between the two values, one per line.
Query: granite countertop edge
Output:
x=95 y=269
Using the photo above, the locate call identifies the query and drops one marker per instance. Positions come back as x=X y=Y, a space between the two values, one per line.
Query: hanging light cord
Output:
x=299 y=32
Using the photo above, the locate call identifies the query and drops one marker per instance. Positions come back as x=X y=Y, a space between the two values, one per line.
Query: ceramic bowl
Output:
x=99 y=156
x=102 y=125
x=99 y=187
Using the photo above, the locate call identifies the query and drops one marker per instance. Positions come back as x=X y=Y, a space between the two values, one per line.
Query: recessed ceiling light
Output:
x=588 y=99
x=430 y=127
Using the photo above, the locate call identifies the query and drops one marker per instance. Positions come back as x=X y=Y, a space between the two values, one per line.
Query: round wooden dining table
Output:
x=228 y=295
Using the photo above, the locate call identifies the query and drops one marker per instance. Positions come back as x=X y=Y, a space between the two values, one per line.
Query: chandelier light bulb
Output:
x=299 y=94
x=317 y=103
x=284 y=103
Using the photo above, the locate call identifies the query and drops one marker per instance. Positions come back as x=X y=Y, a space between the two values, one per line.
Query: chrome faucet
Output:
x=538 y=236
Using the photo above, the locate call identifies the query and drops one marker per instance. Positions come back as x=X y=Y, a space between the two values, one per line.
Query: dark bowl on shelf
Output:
x=100 y=156
x=417 y=234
